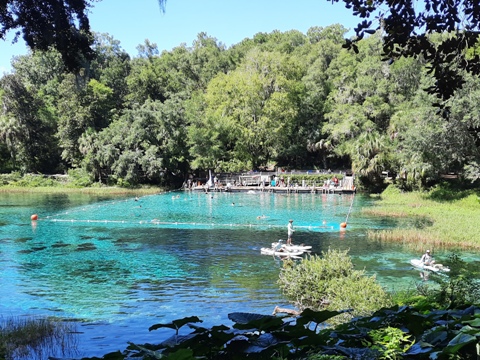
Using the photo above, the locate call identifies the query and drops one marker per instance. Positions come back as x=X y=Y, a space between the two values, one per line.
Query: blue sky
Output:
x=133 y=21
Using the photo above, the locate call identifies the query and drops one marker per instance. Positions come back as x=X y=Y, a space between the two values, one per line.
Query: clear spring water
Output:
x=118 y=266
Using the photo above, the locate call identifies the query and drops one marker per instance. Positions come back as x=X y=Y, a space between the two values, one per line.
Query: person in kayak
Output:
x=280 y=246
x=427 y=259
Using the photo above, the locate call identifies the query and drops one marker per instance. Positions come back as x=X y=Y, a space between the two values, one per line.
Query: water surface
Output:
x=118 y=265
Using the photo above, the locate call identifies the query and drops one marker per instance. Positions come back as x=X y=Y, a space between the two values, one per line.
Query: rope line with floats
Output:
x=179 y=223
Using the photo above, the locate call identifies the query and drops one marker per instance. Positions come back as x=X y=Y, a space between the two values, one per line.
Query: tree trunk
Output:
x=285 y=311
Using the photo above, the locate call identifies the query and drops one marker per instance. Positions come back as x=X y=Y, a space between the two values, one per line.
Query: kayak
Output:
x=304 y=248
x=435 y=268
x=272 y=252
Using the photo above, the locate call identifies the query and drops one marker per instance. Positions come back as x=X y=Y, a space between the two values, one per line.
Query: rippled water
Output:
x=119 y=265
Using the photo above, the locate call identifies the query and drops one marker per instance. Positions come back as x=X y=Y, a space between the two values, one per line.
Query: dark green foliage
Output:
x=27 y=127
x=390 y=333
x=330 y=282
x=62 y=25
x=284 y=100
x=458 y=289
x=406 y=27
x=176 y=324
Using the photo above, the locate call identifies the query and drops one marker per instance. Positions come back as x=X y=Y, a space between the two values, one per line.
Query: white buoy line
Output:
x=177 y=223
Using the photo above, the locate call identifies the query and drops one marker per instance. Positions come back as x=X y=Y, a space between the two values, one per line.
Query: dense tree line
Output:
x=288 y=99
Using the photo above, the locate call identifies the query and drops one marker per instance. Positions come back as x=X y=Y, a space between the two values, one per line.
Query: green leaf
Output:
x=318 y=317
x=245 y=318
x=458 y=342
x=182 y=354
x=262 y=323
x=419 y=348
x=436 y=337
x=474 y=322
x=175 y=324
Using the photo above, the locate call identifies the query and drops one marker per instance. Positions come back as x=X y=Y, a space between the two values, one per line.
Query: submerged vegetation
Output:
x=345 y=314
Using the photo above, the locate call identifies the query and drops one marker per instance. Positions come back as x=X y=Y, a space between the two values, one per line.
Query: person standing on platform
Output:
x=290 y=232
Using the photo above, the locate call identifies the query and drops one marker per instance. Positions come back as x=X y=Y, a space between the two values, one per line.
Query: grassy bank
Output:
x=33 y=183
x=449 y=218
x=106 y=190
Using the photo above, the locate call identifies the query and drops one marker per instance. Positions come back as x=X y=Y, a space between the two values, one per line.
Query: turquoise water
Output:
x=118 y=266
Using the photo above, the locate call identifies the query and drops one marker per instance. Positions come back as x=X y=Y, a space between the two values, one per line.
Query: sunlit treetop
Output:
x=406 y=27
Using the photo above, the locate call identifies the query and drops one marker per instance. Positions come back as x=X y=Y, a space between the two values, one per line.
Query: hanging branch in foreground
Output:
x=407 y=26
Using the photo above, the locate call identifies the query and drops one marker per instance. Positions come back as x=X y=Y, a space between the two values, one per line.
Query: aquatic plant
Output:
x=35 y=338
x=394 y=332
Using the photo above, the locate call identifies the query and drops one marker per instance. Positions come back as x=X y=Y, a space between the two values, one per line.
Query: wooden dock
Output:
x=277 y=189
x=273 y=183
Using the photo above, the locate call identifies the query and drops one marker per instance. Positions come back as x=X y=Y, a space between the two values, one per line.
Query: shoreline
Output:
x=85 y=190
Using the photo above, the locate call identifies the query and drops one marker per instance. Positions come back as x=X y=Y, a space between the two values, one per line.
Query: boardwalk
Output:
x=263 y=182
x=278 y=189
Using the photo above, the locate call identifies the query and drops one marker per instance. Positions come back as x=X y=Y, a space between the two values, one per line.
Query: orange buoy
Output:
x=343 y=225
x=34 y=217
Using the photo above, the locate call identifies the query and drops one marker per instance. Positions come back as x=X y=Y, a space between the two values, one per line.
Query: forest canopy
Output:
x=279 y=99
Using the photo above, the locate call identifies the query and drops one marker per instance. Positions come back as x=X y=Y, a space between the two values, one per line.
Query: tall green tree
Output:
x=360 y=109
x=144 y=145
x=82 y=106
x=183 y=70
x=61 y=24
x=407 y=27
x=111 y=66
x=326 y=46
x=27 y=127
x=252 y=110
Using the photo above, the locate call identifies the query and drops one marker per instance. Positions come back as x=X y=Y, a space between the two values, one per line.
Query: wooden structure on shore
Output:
x=262 y=182
x=278 y=189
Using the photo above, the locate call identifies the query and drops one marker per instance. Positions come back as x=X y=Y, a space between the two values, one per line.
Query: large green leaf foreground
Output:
x=395 y=332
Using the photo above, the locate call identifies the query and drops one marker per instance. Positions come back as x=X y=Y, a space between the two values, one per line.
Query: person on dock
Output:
x=290 y=232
